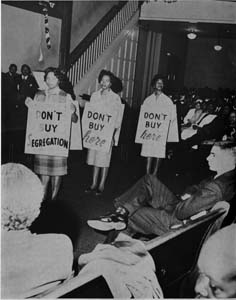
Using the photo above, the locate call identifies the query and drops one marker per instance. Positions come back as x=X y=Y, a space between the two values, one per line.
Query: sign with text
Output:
x=98 y=124
x=153 y=125
x=48 y=129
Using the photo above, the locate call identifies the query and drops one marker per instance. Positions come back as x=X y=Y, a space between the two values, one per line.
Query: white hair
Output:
x=22 y=194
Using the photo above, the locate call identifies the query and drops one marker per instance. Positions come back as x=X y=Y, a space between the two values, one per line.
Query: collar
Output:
x=55 y=91
x=226 y=174
x=108 y=92
x=24 y=77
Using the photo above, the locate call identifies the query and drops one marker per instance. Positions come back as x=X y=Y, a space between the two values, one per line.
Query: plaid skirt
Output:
x=50 y=165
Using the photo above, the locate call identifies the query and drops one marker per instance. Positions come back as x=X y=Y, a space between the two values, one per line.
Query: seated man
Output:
x=217 y=265
x=149 y=207
x=31 y=263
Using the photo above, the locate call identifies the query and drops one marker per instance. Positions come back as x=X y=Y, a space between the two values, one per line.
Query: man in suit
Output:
x=28 y=85
x=10 y=84
x=149 y=207
x=217 y=265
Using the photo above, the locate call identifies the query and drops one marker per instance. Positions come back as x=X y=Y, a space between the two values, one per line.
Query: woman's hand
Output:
x=74 y=116
x=73 y=108
x=28 y=102
x=195 y=127
x=187 y=125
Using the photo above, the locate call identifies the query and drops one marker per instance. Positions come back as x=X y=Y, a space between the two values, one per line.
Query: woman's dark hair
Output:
x=63 y=81
x=106 y=73
x=25 y=66
x=58 y=74
x=116 y=83
x=155 y=79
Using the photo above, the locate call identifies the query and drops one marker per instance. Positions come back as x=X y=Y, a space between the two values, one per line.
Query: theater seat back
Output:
x=175 y=254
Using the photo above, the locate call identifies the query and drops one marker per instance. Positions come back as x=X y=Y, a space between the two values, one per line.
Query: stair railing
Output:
x=97 y=41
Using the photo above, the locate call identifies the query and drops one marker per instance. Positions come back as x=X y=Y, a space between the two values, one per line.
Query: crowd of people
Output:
x=205 y=127
x=33 y=263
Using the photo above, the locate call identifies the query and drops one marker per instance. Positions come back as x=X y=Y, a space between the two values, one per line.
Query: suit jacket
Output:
x=206 y=194
x=28 y=87
x=10 y=86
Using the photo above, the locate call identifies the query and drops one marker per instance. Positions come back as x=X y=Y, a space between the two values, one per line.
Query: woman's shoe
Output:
x=90 y=190
x=98 y=192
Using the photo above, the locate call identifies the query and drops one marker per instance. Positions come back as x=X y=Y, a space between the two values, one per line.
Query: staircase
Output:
x=112 y=45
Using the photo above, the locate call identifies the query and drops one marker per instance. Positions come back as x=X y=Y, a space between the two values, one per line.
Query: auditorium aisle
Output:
x=69 y=213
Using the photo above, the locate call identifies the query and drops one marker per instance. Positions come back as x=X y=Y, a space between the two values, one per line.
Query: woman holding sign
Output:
x=52 y=167
x=98 y=159
x=158 y=101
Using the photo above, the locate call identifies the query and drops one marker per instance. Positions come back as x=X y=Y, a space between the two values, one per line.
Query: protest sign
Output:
x=117 y=133
x=153 y=126
x=173 y=134
x=98 y=124
x=76 y=137
x=48 y=129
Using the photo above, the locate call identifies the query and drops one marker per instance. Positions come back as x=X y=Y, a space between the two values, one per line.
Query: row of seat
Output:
x=175 y=255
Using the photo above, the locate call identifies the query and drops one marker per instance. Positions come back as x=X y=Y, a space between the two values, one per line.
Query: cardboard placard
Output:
x=173 y=134
x=98 y=124
x=76 y=136
x=153 y=126
x=117 y=133
x=48 y=129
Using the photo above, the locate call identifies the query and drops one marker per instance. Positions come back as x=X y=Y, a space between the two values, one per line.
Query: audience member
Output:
x=149 y=207
x=234 y=104
x=30 y=263
x=206 y=118
x=230 y=131
x=217 y=265
x=182 y=107
x=194 y=114
x=28 y=85
x=127 y=267
x=215 y=130
x=10 y=84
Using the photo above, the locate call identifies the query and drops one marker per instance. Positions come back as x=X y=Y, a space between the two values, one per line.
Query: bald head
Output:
x=217 y=265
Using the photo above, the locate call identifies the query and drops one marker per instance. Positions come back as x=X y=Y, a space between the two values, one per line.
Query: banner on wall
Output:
x=48 y=129
x=39 y=76
x=153 y=126
x=98 y=124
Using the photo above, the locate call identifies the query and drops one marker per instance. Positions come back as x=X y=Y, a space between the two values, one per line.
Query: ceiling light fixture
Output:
x=191 y=35
x=170 y=1
x=218 y=47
